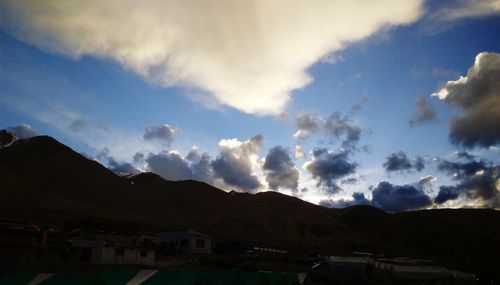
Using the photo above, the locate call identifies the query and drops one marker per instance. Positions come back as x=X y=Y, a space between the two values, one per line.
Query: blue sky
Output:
x=136 y=85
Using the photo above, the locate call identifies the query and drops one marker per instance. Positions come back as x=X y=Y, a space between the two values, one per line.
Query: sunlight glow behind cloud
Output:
x=248 y=54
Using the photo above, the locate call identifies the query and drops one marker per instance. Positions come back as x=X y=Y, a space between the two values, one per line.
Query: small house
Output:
x=115 y=249
x=187 y=241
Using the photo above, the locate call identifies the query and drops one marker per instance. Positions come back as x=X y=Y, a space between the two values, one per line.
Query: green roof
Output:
x=17 y=278
x=254 y=278
x=117 y=277
x=228 y=277
x=154 y=277
x=174 y=278
x=73 y=279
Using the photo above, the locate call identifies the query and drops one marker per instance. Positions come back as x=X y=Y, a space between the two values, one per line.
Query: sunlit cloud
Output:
x=248 y=55
x=477 y=95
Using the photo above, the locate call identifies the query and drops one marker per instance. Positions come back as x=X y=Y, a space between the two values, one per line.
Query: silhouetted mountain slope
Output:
x=46 y=182
x=44 y=174
x=49 y=182
x=465 y=238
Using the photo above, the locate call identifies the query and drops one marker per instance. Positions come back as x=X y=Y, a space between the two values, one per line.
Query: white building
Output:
x=350 y=264
x=187 y=241
x=102 y=251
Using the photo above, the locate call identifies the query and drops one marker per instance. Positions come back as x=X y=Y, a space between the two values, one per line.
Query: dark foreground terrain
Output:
x=46 y=183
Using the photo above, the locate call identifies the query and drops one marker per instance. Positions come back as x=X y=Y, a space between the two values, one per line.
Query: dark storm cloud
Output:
x=426 y=112
x=349 y=181
x=202 y=169
x=358 y=198
x=419 y=163
x=465 y=155
x=341 y=127
x=23 y=131
x=327 y=167
x=201 y=166
x=478 y=96
x=165 y=133
x=279 y=169
x=483 y=187
x=388 y=197
x=461 y=170
x=169 y=165
x=233 y=167
x=446 y=193
x=235 y=173
x=397 y=198
x=476 y=180
x=306 y=125
x=234 y=163
x=399 y=161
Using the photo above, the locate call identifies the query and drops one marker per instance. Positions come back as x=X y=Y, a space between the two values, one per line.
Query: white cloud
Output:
x=299 y=152
x=469 y=9
x=248 y=54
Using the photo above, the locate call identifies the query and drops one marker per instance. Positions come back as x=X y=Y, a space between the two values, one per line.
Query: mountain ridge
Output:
x=46 y=182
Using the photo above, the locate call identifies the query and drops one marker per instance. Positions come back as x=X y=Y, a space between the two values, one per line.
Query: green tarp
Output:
x=174 y=278
x=17 y=278
x=161 y=277
x=73 y=279
x=229 y=277
x=117 y=277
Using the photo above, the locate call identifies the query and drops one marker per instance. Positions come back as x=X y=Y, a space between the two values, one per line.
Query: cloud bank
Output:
x=397 y=198
x=477 y=181
x=358 y=198
x=247 y=54
x=388 y=197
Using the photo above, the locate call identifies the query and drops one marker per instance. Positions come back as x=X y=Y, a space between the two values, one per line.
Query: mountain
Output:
x=45 y=182
x=50 y=183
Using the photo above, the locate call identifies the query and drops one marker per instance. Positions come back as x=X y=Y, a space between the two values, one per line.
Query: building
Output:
x=372 y=270
x=351 y=264
x=187 y=241
x=417 y=271
x=115 y=249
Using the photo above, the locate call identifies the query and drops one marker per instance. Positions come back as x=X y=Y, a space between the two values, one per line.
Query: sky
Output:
x=394 y=104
